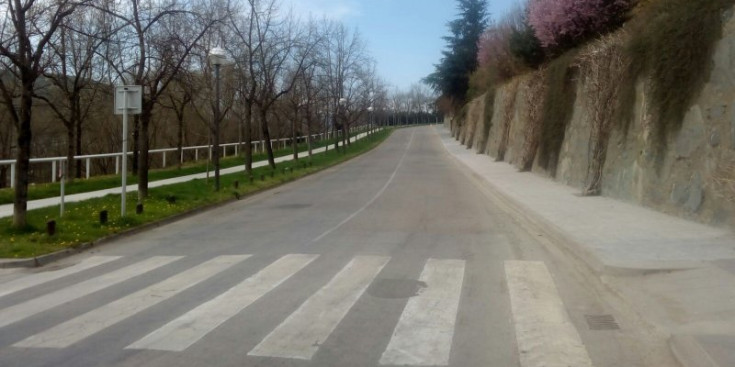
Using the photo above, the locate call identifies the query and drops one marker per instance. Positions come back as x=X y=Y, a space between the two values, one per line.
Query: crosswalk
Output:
x=422 y=336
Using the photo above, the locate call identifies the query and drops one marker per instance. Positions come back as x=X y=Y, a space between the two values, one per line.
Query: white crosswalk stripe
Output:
x=545 y=335
x=74 y=330
x=423 y=335
x=32 y=307
x=186 y=330
x=300 y=335
x=40 y=278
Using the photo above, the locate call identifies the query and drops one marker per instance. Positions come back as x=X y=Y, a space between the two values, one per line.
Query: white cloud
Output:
x=332 y=9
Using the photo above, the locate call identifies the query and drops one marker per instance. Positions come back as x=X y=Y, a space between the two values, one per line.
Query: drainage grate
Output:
x=601 y=322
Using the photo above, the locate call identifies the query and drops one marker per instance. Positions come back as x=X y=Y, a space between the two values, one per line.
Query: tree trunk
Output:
x=20 y=202
x=145 y=118
x=248 y=138
x=136 y=143
x=294 y=142
x=78 y=145
x=70 y=146
x=267 y=138
x=308 y=134
x=180 y=141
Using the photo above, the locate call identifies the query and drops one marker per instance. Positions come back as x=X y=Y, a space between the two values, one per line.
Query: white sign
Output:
x=128 y=97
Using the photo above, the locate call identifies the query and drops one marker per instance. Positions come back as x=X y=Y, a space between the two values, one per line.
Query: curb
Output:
x=42 y=260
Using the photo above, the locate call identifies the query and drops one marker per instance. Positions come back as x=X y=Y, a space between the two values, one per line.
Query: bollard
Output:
x=139 y=208
x=103 y=217
x=237 y=183
x=51 y=227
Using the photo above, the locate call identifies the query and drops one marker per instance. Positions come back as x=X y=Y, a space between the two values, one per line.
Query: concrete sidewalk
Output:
x=678 y=274
x=6 y=210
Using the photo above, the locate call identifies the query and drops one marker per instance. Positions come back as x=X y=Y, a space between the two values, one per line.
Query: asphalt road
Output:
x=398 y=257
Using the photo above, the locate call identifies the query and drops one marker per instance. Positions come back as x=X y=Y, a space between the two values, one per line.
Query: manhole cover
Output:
x=395 y=288
x=601 y=322
x=293 y=206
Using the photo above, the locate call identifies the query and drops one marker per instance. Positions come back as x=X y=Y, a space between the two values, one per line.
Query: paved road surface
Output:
x=395 y=258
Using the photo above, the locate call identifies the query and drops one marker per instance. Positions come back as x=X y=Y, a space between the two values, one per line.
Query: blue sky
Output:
x=404 y=36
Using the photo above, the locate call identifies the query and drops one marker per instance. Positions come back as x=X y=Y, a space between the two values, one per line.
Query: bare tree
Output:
x=75 y=76
x=276 y=54
x=344 y=56
x=154 y=46
x=25 y=31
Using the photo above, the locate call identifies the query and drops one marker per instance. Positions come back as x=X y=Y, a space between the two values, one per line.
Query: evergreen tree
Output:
x=451 y=77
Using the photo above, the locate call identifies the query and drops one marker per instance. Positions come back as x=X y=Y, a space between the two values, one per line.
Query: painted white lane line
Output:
x=35 y=279
x=186 y=330
x=372 y=200
x=301 y=334
x=423 y=335
x=92 y=322
x=545 y=335
x=46 y=302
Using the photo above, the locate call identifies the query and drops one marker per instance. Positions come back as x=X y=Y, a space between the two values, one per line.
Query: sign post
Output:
x=128 y=100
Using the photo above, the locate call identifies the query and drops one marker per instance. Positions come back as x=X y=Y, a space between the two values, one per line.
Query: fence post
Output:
x=117 y=164
x=87 y=167
x=196 y=154
x=53 y=171
x=164 y=159
x=12 y=175
x=181 y=158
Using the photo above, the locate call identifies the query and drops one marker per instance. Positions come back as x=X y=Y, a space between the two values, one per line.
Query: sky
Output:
x=403 y=36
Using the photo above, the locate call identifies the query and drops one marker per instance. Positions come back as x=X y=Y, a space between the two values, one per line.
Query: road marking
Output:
x=423 y=335
x=186 y=330
x=300 y=335
x=372 y=200
x=545 y=335
x=46 y=302
x=33 y=280
x=92 y=322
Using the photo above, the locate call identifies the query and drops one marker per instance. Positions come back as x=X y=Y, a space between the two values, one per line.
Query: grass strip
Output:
x=80 y=223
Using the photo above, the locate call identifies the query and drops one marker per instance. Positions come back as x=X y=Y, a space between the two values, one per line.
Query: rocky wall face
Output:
x=496 y=129
x=630 y=155
x=518 y=125
x=692 y=175
x=574 y=153
x=477 y=116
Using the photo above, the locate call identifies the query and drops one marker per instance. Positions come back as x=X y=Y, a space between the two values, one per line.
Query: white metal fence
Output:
x=55 y=161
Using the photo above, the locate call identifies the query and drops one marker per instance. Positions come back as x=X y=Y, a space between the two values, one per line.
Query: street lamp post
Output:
x=217 y=57
x=370 y=121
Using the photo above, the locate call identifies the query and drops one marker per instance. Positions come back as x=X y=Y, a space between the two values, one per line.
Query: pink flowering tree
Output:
x=562 y=24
